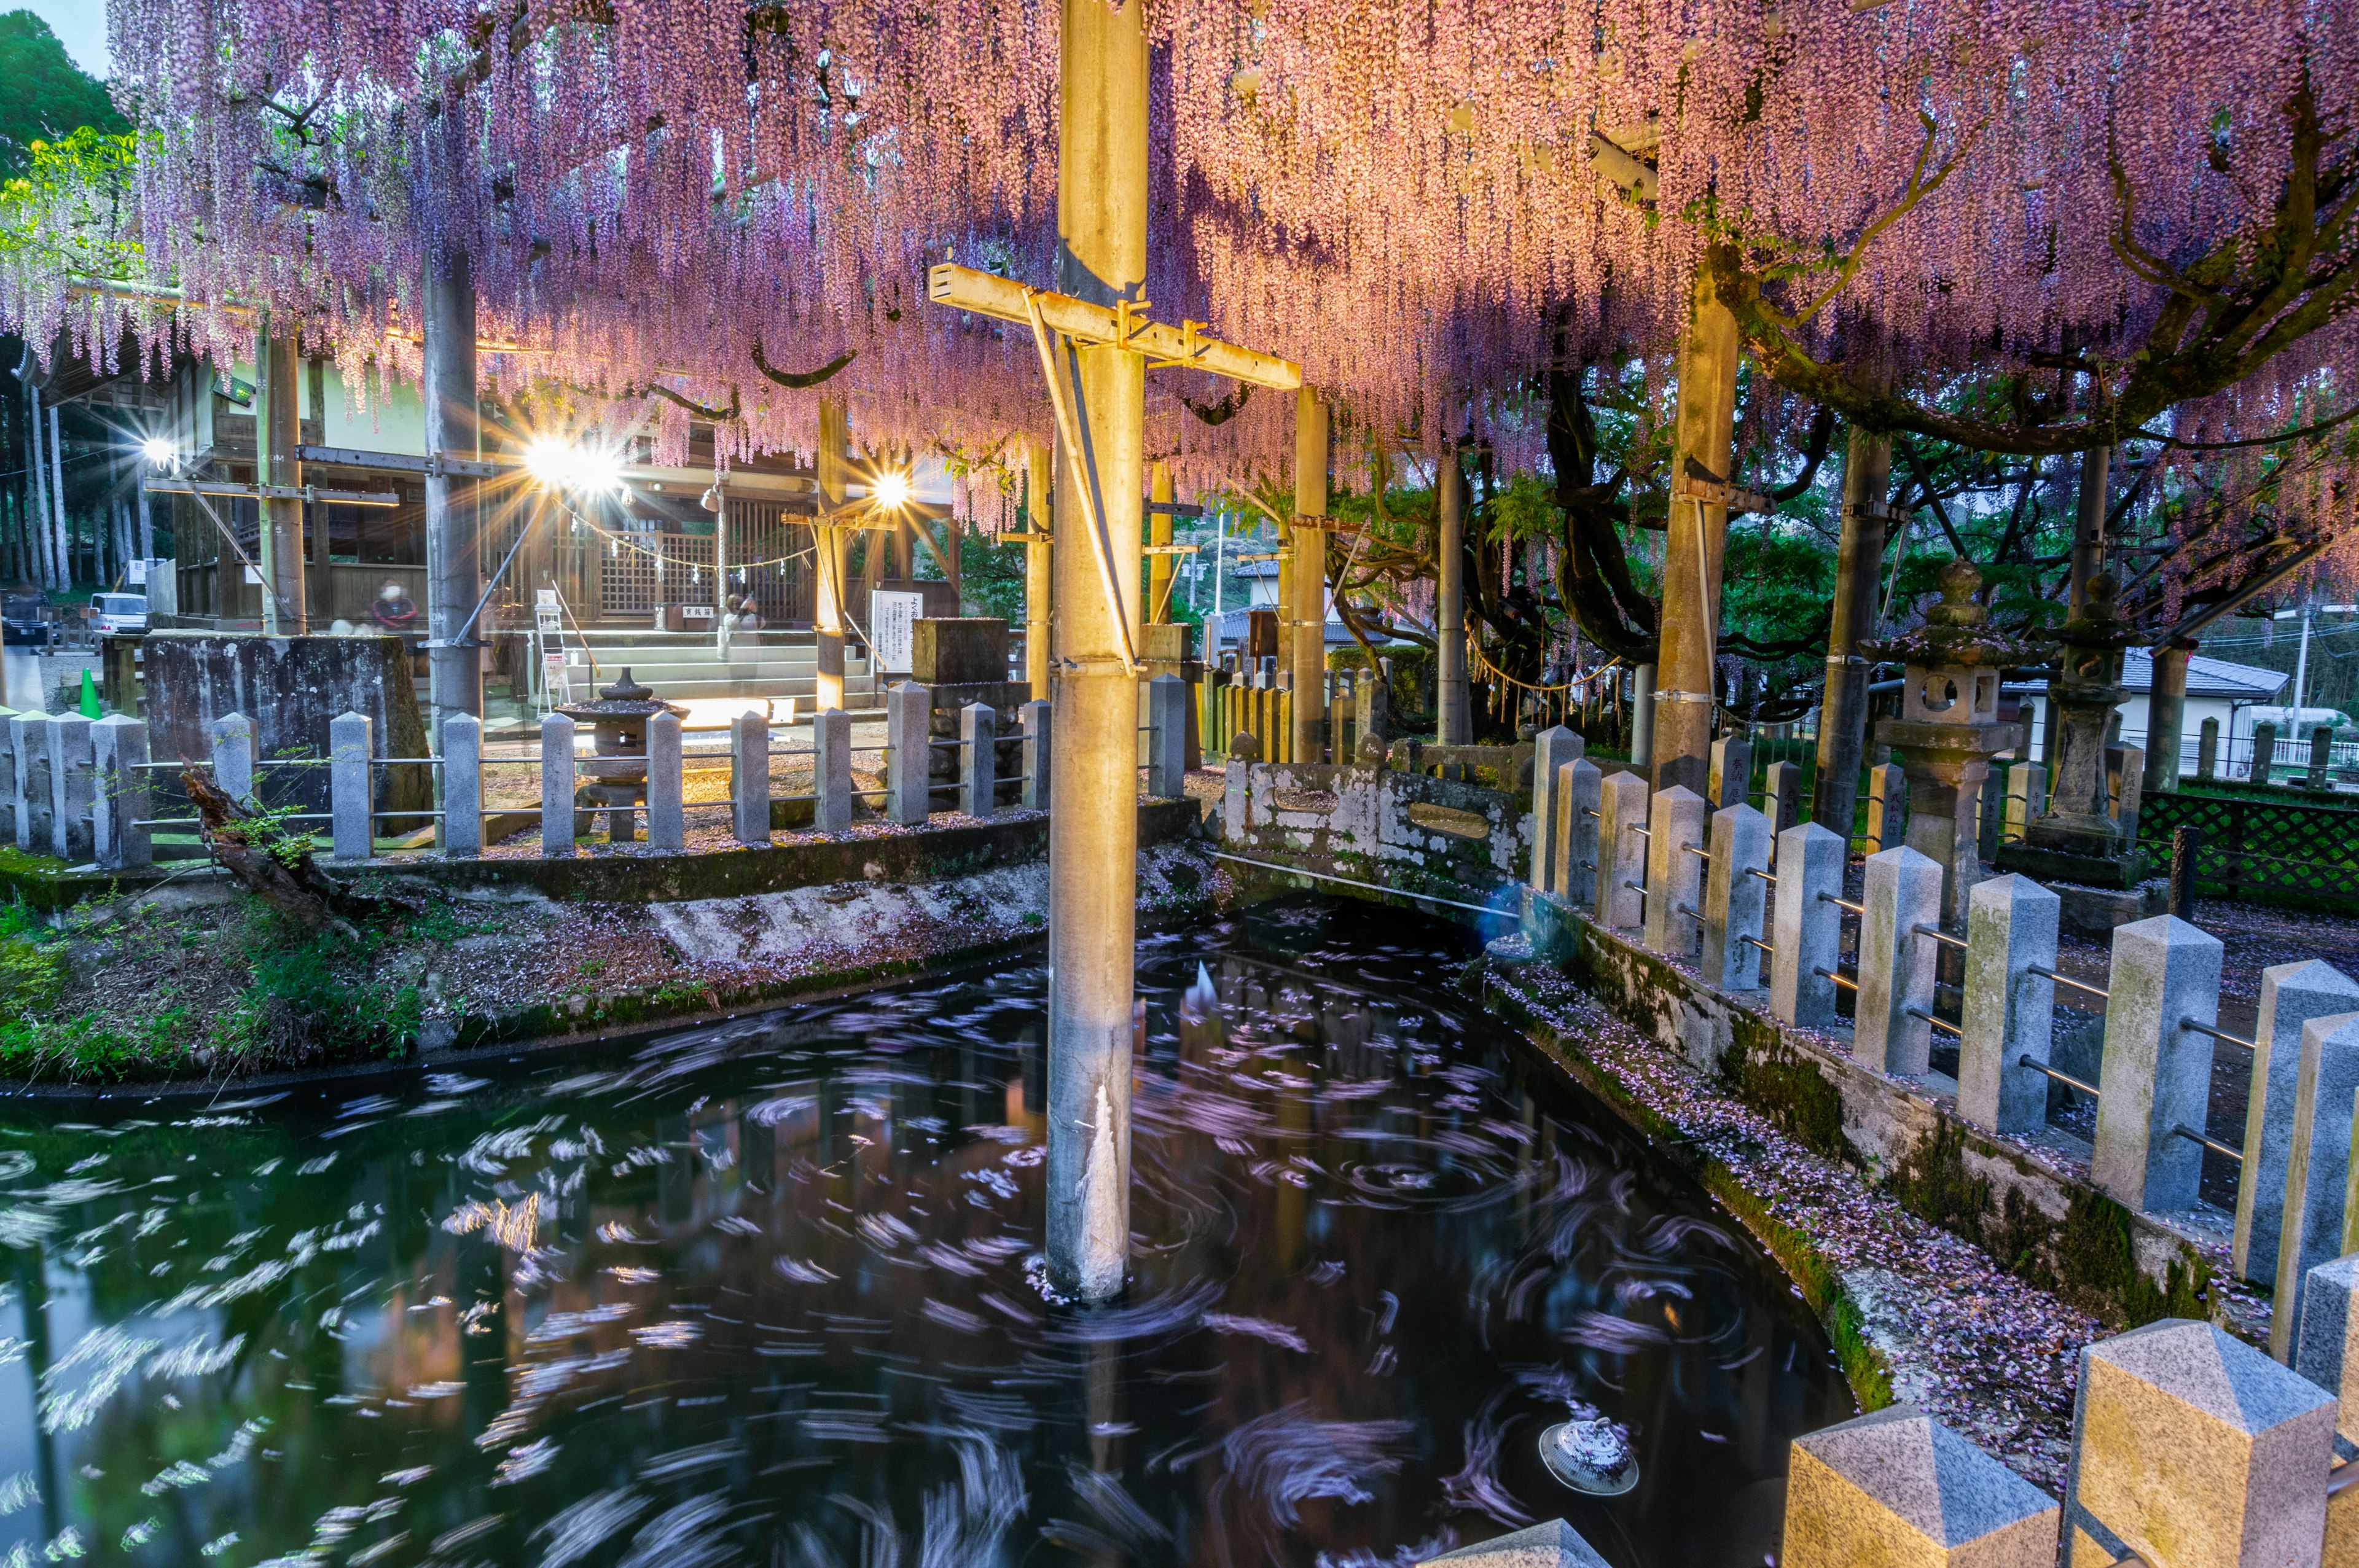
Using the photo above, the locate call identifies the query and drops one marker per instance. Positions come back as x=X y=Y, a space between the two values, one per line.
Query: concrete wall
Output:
x=1378 y=824
x=291 y=687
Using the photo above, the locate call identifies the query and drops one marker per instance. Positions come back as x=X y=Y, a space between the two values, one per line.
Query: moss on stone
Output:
x=2097 y=1268
x=1789 y=1090
x=1934 y=1185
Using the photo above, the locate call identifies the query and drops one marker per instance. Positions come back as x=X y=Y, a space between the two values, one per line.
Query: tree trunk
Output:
x=1859 y=564
x=1684 y=666
x=291 y=883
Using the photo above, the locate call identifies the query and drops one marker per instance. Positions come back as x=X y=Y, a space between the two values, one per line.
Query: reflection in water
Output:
x=768 y=1292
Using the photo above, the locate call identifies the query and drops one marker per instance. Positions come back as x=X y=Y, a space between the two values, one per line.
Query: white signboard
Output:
x=892 y=630
x=135 y=572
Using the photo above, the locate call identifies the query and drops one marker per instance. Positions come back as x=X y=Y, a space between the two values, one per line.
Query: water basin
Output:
x=768 y=1292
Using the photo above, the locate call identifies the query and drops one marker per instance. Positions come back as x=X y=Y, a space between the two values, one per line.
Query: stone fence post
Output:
x=1888 y=807
x=1037 y=715
x=556 y=784
x=118 y=752
x=2207 y=751
x=2311 y=1229
x=1674 y=873
x=11 y=804
x=2191 y=1448
x=1621 y=850
x=1728 y=776
x=666 y=793
x=232 y=740
x=1573 y=861
x=2011 y=929
x=1898 y=1487
x=1896 y=963
x=1553 y=750
x=908 y=754
x=2291 y=995
x=1782 y=798
x=1555 y=1544
x=749 y=775
x=2326 y=1348
x=2026 y=797
x=1735 y=898
x=462 y=785
x=979 y=751
x=351 y=794
x=72 y=791
x=2154 y=1076
x=1166 y=740
x=831 y=770
x=29 y=738
x=1805 y=939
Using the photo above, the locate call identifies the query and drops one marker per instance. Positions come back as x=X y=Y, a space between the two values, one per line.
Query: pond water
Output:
x=765 y=1292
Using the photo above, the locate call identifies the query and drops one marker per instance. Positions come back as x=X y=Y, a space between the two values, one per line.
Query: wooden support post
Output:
x=277 y=414
x=1159 y=532
x=1859 y=571
x=1310 y=648
x=1699 y=527
x=454 y=549
x=1036 y=595
x=827 y=599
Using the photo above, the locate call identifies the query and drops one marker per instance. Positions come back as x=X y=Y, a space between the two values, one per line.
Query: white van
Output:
x=120 y=614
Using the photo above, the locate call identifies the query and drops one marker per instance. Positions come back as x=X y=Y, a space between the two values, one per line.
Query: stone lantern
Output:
x=617 y=772
x=1949 y=727
x=2078 y=839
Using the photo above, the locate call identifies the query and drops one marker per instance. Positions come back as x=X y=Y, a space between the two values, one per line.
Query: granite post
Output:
x=233 y=749
x=1167 y=739
x=2318 y=1166
x=1781 y=800
x=1573 y=874
x=979 y=751
x=1735 y=897
x=667 y=815
x=2156 y=1074
x=908 y=754
x=2191 y=1448
x=2207 y=751
x=462 y=785
x=556 y=784
x=831 y=770
x=353 y=800
x=118 y=752
x=1898 y=1486
x=71 y=787
x=1896 y=963
x=2291 y=995
x=1036 y=716
x=1805 y=939
x=1728 y=773
x=29 y=735
x=1887 y=809
x=749 y=775
x=2026 y=795
x=2326 y=1348
x=1553 y=749
x=1674 y=871
x=2011 y=929
x=1621 y=850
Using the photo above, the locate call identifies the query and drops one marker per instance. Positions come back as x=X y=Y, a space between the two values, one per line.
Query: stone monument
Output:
x=1949 y=728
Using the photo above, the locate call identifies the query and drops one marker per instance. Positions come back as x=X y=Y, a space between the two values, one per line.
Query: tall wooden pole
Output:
x=1094 y=831
x=1705 y=436
x=1454 y=697
x=454 y=573
x=1311 y=449
x=2088 y=525
x=827 y=556
x=1037 y=466
x=277 y=430
x=1159 y=532
x=1859 y=567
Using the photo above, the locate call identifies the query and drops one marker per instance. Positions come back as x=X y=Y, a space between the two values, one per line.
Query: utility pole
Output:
x=454 y=573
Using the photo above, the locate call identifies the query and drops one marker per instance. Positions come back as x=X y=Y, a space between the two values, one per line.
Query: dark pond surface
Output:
x=762 y=1293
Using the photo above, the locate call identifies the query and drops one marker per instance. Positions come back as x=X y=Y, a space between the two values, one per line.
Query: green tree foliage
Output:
x=43 y=95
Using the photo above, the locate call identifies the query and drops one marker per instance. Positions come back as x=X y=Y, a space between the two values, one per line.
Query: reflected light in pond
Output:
x=768 y=1291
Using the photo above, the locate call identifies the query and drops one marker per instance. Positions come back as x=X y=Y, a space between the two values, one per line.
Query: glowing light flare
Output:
x=563 y=465
x=891 y=490
x=159 y=452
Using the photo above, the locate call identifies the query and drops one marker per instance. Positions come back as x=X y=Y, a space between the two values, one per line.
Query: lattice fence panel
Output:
x=2266 y=851
x=661 y=570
